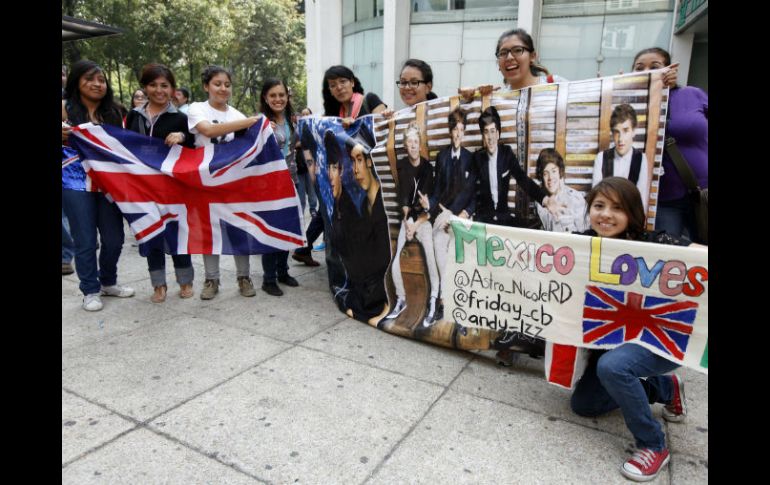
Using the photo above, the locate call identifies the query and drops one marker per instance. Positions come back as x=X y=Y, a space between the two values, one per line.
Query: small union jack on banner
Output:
x=232 y=198
x=611 y=317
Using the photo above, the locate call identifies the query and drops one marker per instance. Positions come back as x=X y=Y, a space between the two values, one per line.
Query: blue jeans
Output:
x=612 y=380
x=677 y=217
x=156 y=264
x=274 y=265
x=89 y=212
x=67 y=244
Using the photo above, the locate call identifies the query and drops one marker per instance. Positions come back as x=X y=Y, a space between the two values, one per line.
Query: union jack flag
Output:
x=611 y=317
x=232 y=198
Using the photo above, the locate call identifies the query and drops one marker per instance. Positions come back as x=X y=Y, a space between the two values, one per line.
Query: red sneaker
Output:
x=677 y=410
x=645 y=464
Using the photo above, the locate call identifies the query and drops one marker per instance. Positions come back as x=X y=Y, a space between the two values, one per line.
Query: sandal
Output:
x=159 y=296
x=186 y=291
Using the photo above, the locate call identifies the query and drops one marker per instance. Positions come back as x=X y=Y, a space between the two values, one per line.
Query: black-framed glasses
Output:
x=517 y=51
x=410 y=84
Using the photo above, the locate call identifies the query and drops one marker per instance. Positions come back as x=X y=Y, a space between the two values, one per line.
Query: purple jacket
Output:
x=688 y=124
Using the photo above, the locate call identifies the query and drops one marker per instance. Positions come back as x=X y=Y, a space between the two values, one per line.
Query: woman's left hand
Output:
x=670 y=75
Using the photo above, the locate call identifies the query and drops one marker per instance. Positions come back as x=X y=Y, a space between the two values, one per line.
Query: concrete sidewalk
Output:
x=289 y=390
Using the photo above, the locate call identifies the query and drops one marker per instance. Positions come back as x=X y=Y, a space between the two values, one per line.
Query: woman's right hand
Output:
x=65 y=131
x=468 y=92
x=346 y=122
x=388 y=113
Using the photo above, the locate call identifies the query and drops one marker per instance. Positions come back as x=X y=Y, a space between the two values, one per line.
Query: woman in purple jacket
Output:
x=688 y=123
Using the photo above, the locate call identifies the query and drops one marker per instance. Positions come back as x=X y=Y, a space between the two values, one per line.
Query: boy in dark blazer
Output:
x=493 y=166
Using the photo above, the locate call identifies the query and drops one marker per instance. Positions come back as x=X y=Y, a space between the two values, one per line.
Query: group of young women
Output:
x=629 y=376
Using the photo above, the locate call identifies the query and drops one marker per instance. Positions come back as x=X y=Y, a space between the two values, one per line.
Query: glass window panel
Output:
x=578 y=8
x=429 y=5
x=364 y=9
x=348 y=11
x=469 y=4
x=569 y=46
x=362 y=53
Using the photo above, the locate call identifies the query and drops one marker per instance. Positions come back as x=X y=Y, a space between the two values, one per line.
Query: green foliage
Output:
x=254 y=39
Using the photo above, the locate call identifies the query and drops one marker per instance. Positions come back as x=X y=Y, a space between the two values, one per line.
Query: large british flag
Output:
x=611 y=317
x=232 y=198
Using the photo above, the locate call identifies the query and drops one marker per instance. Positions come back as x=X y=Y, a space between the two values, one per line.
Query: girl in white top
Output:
x=214 y=121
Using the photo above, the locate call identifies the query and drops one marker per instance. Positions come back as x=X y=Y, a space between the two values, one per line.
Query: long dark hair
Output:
x=425 y=70
x=627 y=195
x=108 y=111
x=331 y=105
x=534 y=67
x=265 y=108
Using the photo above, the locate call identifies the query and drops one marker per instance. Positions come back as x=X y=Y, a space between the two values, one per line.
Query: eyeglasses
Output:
x=517 y=51
x=410 y=84
x=339 y=84
x=139 y=96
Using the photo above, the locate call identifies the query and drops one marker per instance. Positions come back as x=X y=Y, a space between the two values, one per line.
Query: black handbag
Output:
x=698 y=196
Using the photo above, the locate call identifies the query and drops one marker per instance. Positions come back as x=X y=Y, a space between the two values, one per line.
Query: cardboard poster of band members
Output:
x=521 y=158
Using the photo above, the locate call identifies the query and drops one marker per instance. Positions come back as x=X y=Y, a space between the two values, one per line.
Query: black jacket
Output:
x=454 y=186
x=507 y=166
x=171 y=121
x=411 y=180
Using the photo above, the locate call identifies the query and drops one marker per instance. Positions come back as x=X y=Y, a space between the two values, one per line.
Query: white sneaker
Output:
x=92 y=302
x=400 y=307
x=117 y=290
x=430 y=317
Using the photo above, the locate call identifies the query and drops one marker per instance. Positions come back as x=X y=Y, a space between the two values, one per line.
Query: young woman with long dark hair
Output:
x=89 y=98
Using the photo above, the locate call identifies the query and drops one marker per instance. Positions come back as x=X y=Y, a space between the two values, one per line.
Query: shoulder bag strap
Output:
x=681 y=164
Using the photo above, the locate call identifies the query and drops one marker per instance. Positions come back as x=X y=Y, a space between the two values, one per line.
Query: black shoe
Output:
x=66 y=268
x=439 y=312
x=272 y=289
x=307 y=259
x=288 y=280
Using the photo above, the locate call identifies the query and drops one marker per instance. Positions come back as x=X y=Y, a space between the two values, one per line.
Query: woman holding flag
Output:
x=274 y=103
x=214 y=121
x=159 y=118
x=88 y=98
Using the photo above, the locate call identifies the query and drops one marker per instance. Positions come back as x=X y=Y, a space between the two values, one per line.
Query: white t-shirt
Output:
x=203 y=111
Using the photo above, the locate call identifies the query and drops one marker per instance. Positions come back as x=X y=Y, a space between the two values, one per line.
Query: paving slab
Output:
x=86 y=426
x=144 y=457
x=119 y=315
x=150 y=369
x=686 y=469
x=303 y=416
x=312 y=278
x=467 y=439
x=692 y=436
x=524 y=386
x=298 y=314
x=363 y=343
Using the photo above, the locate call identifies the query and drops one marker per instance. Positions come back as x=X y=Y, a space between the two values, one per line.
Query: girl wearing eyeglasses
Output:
x=517 y=62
